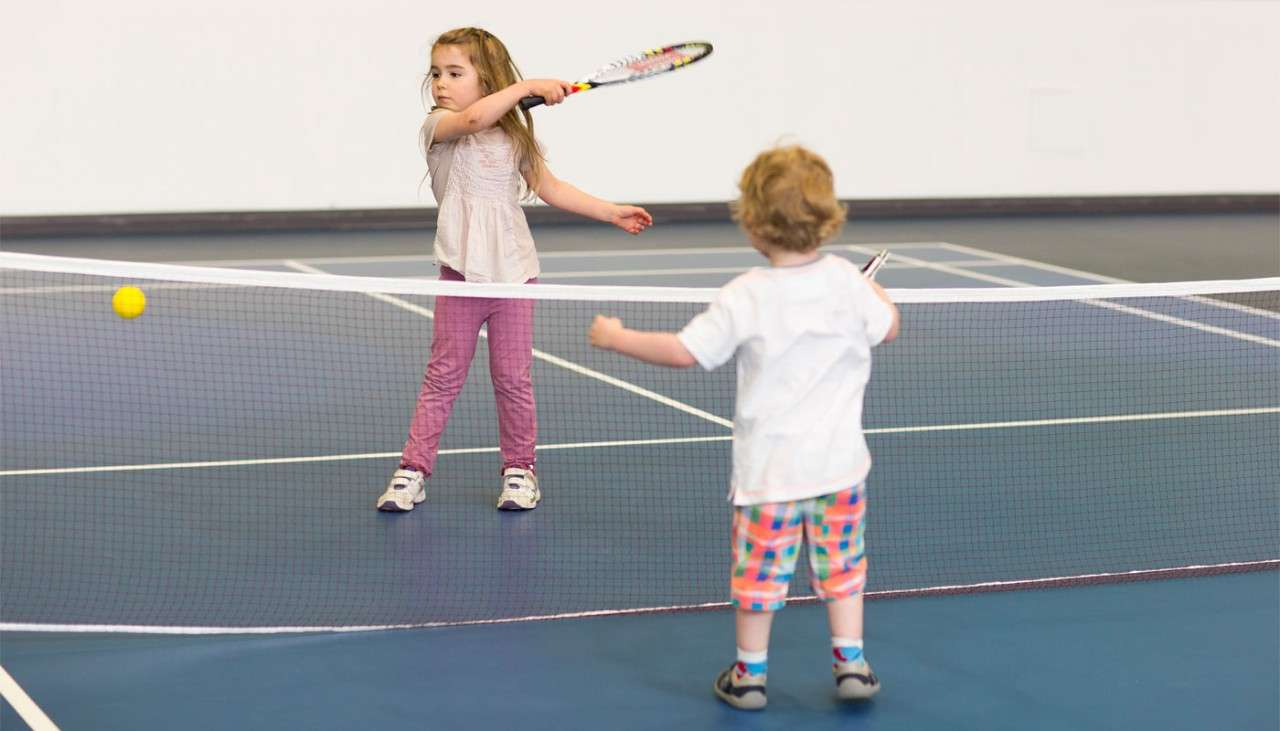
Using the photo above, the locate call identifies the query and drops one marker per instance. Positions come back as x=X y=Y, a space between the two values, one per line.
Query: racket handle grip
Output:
x=530 y=102
x=873 y=267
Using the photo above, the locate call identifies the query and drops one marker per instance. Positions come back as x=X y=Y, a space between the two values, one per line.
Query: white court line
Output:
x=592 y=254
x=1148 y=314
x=548 y=358
x=1007 y=585
x=1114 y=418
x=1180 y=322
x=1044 y=266
x=344 y=457
x=589 y=274
x=600 y=273
x=975 y=426
x=1032 y=263
x=22 y=703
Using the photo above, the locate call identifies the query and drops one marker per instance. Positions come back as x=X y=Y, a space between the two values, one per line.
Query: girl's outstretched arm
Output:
x=658 y=348
x=632 y=219
x=487 y=110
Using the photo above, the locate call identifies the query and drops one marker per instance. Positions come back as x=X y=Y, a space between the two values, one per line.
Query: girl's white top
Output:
x=803 y=336
x=481 y=230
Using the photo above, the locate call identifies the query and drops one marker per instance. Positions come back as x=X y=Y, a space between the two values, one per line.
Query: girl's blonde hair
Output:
x=788 y=200
x=496 y=71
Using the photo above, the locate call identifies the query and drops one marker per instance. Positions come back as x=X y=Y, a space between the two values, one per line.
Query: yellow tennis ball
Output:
x=129 y=302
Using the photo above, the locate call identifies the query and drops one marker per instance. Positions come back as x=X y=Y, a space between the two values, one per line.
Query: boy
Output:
x=802 y=329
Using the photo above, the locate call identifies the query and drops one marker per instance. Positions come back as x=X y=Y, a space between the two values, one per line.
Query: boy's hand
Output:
x=552 y=90
x=604 y=331
x=632 y=219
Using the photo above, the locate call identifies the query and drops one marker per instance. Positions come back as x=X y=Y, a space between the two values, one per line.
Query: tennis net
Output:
x=213 y=464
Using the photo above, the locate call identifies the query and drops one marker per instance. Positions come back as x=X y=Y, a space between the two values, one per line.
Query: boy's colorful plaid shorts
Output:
x=766 y=542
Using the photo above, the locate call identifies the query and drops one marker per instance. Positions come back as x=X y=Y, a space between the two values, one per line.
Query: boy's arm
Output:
x=658 y=348
x=884 y=297
x=564 y=196
x=487 y=110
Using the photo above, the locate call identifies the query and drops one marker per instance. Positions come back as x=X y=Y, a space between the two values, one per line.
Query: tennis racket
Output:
x=642 y=65
x=873 y=266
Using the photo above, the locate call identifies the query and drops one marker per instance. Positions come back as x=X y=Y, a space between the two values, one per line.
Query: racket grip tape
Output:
x=530 y=102
x=873 y=267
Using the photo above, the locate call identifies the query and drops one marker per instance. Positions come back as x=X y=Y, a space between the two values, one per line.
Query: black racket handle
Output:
x=530 y=102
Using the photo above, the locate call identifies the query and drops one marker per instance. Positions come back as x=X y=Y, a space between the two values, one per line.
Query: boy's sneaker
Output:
x=407 y=488
x=519 y=490
x=854 y=680
x=740 y=689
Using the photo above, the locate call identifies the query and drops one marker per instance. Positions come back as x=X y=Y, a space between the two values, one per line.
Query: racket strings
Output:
x=650 y=63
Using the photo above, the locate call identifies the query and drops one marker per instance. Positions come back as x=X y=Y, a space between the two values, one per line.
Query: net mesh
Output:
x=214 y=463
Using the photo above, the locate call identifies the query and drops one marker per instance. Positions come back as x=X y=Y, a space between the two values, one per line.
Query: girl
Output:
x=482 y=158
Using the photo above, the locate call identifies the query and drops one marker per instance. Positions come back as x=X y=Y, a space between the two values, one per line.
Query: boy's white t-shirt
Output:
x=803 y=336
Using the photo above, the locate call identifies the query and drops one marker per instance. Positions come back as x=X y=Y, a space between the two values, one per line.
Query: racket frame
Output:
x=590 y=82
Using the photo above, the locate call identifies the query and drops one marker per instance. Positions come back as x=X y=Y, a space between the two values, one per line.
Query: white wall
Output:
x=166 y=105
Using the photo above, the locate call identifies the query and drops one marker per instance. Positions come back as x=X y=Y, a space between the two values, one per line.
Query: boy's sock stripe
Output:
x=753 y=663
x=846 y=649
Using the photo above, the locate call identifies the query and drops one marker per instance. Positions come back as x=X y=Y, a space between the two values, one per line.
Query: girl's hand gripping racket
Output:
x=869 y=270
x=647 y=63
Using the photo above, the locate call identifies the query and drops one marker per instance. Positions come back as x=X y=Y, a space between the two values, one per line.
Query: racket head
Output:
x=647 y=63
x=650 y=62
x=870 y=269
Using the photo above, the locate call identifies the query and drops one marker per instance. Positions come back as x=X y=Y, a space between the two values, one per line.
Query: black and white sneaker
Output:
x=740 y=689
x=854 y=680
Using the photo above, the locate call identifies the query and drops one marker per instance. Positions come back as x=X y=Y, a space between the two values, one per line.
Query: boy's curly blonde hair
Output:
x=788 y=200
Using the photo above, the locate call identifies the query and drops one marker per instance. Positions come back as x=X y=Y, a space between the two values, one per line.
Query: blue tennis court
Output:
x=479 y=589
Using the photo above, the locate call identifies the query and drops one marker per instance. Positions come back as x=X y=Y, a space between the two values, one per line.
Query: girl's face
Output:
x=455 y=84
